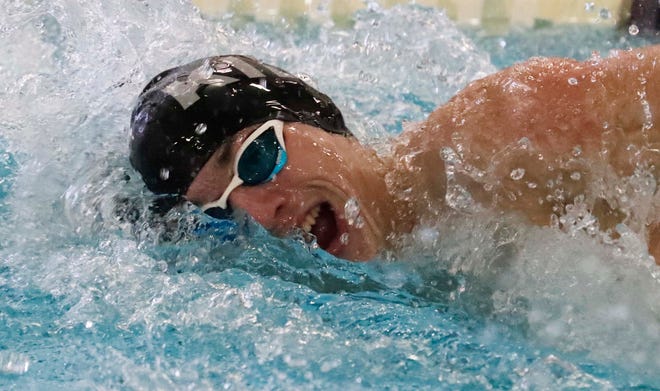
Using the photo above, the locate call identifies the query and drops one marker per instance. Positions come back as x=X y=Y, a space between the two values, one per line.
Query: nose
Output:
x=262 y=202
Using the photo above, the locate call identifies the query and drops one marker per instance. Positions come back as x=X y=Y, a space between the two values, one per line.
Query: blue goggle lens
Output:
x=258 y=161
x=260 y=158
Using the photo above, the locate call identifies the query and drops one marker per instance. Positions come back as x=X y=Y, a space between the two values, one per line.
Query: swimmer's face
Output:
x=311 y=193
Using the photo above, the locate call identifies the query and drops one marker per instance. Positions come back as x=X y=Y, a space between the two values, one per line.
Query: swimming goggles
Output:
x=261 y=156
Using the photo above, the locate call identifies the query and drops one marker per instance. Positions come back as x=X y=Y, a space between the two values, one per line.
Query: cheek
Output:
x=314 y=157
x=315 y=165
x=303 y=158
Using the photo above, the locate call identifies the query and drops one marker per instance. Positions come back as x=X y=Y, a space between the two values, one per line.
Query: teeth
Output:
x=310 y=219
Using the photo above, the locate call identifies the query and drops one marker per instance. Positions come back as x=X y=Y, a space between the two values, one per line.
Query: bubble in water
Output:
x=164 y=174
x=200 y=128
x=517 y=174
x=633 y=29
x=572 y=81
x=576 y=176
x=351 y=210
x=589 y=6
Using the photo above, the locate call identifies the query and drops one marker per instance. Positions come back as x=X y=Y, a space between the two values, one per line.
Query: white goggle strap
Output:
x=222 y=201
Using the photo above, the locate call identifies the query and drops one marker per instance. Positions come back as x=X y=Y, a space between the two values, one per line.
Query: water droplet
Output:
x=576 y=176
x=344 y=238
x=532 y=185
x=524 y=143
x=200 y=128
x=633 y=29
x=351 y=210
x=164 y=174
x=517 y=174
x=640 y=56
x=577 y=151
x=605 y=13
x=458 y=198
x=572 y=81
x=449 y=156
x=359 y=222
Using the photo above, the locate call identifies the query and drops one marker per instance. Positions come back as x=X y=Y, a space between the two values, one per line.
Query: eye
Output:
x=257 y=162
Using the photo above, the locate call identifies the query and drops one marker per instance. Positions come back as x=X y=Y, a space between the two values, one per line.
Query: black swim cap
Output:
x=185 y=113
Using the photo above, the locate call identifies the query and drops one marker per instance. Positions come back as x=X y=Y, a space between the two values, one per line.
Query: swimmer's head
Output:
x=186 y=113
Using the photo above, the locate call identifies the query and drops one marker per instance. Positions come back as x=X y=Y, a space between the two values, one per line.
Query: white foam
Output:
x=72 y=71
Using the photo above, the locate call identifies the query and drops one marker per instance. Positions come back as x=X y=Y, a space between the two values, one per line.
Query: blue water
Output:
x=97 y=291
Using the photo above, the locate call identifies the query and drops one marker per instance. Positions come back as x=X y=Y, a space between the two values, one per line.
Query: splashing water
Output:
x=101 y=290
x=352 y=211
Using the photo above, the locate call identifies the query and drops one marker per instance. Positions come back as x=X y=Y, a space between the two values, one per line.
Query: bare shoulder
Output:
x=555 y=102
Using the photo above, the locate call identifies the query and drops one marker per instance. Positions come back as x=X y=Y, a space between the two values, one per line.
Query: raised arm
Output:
x=559 y=103
x=537 y=135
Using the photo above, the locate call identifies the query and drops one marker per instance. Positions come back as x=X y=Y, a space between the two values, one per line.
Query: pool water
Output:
x=98 y=291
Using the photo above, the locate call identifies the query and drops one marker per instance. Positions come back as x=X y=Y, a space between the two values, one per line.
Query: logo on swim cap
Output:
x=185 y=113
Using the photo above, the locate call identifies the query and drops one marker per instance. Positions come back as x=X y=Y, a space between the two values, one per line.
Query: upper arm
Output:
x=559 y=104
x=577 y=121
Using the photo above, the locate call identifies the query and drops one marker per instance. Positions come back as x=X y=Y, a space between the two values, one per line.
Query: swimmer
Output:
x=230 y=133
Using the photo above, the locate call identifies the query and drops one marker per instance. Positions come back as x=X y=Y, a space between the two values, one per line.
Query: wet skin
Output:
x=572 y=129
x=322 y=173
x=535 y=136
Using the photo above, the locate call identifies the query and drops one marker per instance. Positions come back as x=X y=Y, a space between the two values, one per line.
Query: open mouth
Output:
x=322 y=223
